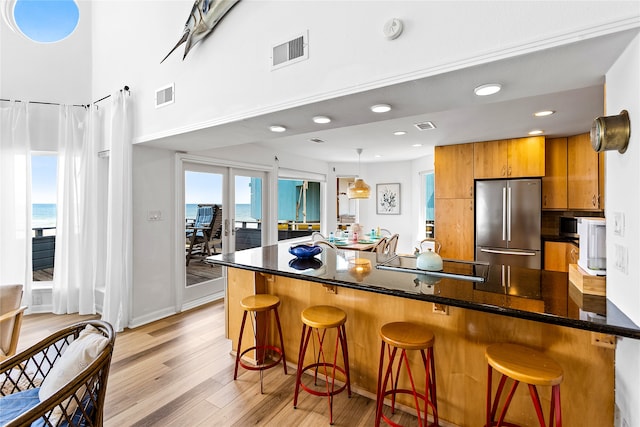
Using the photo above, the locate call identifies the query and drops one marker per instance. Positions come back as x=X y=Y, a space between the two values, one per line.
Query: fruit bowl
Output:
x=305 y=251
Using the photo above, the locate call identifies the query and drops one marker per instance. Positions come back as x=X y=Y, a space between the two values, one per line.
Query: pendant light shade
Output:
x=359 y=189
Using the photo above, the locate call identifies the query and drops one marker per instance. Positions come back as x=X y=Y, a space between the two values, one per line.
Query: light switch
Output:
x=618 y=224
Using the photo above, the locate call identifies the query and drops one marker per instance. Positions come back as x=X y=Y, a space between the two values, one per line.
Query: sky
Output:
x=202 y=187
x=43 y=179
x=46 y=21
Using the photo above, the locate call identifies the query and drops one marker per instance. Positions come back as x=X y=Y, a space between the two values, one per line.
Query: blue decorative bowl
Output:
x=305 y=251
x=305 y=263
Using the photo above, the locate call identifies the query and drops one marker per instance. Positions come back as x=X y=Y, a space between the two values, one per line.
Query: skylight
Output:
x=43 y=21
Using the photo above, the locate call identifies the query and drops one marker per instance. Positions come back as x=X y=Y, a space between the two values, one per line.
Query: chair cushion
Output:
x=80 y=353
x=15 y=404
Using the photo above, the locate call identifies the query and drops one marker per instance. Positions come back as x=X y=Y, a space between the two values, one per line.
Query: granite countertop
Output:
x=538 y=295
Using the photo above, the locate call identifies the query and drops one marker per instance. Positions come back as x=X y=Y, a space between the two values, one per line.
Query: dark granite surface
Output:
x=538 y=295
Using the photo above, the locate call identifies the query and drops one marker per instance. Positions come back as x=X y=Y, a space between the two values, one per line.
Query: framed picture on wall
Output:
x=388 y=199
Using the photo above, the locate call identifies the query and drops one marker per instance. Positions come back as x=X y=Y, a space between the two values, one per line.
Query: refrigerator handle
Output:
x=509 y=214
x=507 y=252
x=503 y=277
x=504 y=213
x=508 y=276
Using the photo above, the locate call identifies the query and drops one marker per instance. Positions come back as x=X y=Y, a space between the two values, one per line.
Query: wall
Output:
x=154 y=291
x=227 y=76
x=623 y=196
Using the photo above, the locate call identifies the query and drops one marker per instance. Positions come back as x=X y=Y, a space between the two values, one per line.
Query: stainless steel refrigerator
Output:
x=508 y=217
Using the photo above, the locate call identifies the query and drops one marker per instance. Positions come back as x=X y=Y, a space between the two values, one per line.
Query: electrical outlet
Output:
x=620 y=260
x=440 y=308
x=618 y=224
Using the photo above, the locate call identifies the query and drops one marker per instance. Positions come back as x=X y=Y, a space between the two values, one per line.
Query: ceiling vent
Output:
x=290 y=52
x=425 y=125
x=165 y=95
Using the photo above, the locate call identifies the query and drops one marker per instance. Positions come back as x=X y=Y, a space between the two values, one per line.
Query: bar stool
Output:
x=255 y=304
x=526 y=365
x=319 y=318
x=406 y=336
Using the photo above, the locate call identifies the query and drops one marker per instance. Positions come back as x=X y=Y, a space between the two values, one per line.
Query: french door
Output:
x=234 y=196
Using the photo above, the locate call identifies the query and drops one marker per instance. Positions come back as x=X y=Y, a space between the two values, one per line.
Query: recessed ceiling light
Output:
x=277 y=128
x=487 y=89
x=381 y=108
x=536 y=132
x=400 y=132
x=417 y=145
x=377 y=156
x=321 y=119
x=543 y=113
x=317 y=140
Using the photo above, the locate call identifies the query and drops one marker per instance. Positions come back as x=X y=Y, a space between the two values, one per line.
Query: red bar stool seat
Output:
x=522 y=364
x=406 y=336
x=256 y=305
x=316 y=320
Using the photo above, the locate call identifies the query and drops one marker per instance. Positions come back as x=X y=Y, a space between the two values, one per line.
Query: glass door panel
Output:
x=248 y=215
x=204 y=205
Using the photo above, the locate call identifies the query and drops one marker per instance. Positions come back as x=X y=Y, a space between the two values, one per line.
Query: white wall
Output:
x=227 y=77
x=622 y=191
x=154 y=291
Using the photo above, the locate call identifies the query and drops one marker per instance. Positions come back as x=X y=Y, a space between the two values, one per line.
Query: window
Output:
x=298 y=208
x=43 y=214
x=430 y=205
x=43 y=21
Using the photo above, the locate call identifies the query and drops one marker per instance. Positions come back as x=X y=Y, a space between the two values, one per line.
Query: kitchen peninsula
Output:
x=540 y=309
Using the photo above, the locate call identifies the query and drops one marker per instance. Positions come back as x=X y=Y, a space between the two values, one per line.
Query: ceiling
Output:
x=568 y=79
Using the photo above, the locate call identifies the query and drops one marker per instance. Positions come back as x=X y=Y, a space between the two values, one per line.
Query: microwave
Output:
x=568 y=227
x=593 y=245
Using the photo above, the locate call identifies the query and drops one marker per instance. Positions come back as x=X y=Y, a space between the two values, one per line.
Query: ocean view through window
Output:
x=43 y=214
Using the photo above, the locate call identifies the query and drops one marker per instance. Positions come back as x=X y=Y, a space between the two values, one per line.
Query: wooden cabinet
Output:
x=454 y=228
x=454 y=190
x=510 y=158
x=585 y=169
x=454 y=171
x=554 y=183
x=558 y=255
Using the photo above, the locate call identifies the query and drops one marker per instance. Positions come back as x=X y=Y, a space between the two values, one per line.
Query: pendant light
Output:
x=359 y=189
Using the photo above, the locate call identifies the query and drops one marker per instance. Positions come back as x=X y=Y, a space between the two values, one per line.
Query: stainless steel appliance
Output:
x=508 y=220
x=568 y=227
x=593 y=245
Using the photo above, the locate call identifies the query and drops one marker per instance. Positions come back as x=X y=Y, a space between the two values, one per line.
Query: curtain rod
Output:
x=126 y=89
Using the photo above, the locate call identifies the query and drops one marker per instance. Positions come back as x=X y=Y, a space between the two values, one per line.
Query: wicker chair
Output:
x=78 y=403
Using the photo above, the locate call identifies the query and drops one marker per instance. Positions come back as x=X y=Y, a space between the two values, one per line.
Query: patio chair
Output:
x=10 y=319
x=62 y=380
x=199 y=234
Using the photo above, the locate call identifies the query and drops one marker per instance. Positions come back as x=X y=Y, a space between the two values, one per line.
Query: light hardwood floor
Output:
x=179 y=372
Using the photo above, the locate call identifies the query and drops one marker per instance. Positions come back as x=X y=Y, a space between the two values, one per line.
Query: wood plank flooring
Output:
x=178 y=371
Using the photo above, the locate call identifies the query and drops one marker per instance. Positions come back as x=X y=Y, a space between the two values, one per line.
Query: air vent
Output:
x=165 y=96
x=290 y=52
x=425 y=125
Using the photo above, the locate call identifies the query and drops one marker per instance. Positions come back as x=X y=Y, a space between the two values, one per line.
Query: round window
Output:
x=43 y=21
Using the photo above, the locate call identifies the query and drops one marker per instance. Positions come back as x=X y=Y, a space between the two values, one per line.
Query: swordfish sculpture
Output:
x=204 y=16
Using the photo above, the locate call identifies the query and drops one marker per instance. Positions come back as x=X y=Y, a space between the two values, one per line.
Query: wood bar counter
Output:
x=540 y=310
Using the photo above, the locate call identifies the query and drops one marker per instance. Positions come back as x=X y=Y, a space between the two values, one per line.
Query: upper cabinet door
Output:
x=525 y=157
x=554 y=183
x=490 y=159
x=509 y=158
x=454 y=171
x=582 y=174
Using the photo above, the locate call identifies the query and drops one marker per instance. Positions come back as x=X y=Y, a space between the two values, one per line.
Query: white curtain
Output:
x=74 y=274
x=119 y=275
x=15 y=197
